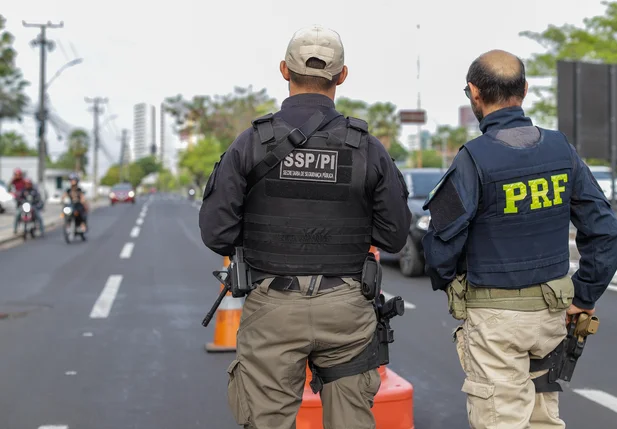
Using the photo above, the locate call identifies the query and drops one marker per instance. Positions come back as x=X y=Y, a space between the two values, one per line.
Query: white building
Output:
x=144 y=131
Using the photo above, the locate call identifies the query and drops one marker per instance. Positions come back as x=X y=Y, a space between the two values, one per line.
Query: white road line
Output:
x=408 y=304
x=599 y=397
x=127 y=251
x=103 y=304
x=140 y=221
x=54 y=427
x=612 y=288
x=572 y=242
x=135 y=232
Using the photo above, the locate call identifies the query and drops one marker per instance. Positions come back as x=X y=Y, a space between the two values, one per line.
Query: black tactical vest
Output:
x=519 y=236
x=310 y=214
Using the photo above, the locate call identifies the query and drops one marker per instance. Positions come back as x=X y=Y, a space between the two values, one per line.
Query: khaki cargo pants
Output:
x=494 y=348
x=278 y=331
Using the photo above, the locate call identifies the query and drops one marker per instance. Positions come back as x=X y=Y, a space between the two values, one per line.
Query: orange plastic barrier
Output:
x=393 y=406
x=227 y=322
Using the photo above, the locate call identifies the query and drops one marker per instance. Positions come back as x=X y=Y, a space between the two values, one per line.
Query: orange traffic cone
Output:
x=227 y=322
x=392 y=408
x=393 y=404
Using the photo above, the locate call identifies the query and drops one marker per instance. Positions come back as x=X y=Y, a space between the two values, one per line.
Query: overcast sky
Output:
x=143 y=51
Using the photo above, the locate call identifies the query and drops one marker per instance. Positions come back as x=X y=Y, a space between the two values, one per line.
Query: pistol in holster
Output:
x=237 y=279
x=561 y=362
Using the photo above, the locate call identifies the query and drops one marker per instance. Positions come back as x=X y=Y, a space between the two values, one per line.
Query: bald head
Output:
x=499 y=76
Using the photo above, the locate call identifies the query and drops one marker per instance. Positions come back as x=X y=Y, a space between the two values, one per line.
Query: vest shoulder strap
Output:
x=356 y=129
x=294 y=139
x=264 y=128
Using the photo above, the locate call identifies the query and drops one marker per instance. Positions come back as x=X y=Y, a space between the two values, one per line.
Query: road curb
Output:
x=52 y=225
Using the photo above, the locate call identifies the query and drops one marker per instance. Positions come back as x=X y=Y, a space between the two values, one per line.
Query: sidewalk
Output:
x=51 y=219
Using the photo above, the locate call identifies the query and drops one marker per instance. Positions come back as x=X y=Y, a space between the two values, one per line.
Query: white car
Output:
x=6 y=199
x=603 y=177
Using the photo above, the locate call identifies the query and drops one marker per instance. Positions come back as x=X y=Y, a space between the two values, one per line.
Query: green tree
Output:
x=199 y=160
x=78 y=143
x=66 y=161
x=355 y=108
x=223 y=117
x=13 y=144
x=149 y=165
x=452 y=137
x=595 y=42
x=13 y=99
x=430 y=158
x=166 y=181
x=112 y=176
x=398 y=152
x=384 y=123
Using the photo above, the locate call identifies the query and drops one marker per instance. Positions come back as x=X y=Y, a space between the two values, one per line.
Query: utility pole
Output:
x=96 y=110
x=41 y=116
x=162 y=120
x=419 y=158
x=123 y=151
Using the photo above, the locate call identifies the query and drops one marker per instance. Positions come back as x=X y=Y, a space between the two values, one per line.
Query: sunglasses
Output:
x=467 y=91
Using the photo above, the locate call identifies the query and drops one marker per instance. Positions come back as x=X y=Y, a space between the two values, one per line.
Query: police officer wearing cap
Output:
x=498 y=245
x=306 y=192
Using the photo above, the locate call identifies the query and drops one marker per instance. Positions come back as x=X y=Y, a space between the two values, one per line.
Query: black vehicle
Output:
x=420 y=182
x=72 y=222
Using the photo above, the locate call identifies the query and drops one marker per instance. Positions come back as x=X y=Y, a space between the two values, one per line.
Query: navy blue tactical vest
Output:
x=519 y=236
x=310 y=215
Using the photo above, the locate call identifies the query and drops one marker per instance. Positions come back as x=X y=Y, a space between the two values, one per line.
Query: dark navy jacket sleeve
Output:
x=452 y=204
x=391 y=214
x=596 y=237
x=220 y=216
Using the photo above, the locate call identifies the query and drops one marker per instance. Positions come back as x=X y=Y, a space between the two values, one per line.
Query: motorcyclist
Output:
x=29 y=192
x=17 y=182
x=78 y=199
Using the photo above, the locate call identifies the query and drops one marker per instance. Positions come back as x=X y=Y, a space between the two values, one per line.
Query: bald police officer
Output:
x=306 y=192
x=498 y=245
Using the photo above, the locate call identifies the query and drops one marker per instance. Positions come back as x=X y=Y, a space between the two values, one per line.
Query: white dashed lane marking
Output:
x=103 y=304
x=135 y=232
x=127 y=251
x=140 y=221
x=54 y=427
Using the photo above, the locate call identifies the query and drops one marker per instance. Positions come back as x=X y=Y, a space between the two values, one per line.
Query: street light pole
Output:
x=42 y=114
x=71 y=63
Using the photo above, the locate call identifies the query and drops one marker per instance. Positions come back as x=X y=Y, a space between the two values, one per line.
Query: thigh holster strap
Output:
x=367 y=360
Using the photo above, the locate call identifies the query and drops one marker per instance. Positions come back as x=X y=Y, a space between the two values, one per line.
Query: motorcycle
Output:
x=72 y=222
x=28 y=219
x=191 y=194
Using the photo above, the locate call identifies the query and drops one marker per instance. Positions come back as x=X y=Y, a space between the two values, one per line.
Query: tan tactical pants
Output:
x=494 y=348
x=278 y=331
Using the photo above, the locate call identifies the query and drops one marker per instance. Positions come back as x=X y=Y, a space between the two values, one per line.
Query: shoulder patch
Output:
x=437 y=187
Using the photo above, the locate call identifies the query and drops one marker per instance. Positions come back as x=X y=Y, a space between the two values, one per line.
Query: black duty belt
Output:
x=291 y=284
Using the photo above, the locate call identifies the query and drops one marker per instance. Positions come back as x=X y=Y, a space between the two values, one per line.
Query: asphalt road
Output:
x=106 y=334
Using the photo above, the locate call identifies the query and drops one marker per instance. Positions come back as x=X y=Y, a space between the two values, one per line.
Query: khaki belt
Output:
x=527 y=299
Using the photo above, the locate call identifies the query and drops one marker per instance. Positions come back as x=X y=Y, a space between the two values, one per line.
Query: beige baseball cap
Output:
x=319 y=42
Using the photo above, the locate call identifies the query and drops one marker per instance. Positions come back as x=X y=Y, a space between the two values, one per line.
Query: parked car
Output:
x=603 y=177
x=420 y=182
x=122 y=193
x=6 y=198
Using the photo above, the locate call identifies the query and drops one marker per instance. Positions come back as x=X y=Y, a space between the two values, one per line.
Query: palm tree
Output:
x=384 y=122
x=78 y=143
